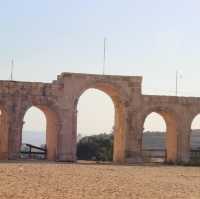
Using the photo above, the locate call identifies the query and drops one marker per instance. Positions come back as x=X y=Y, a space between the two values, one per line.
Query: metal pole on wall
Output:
x=178 y=76
x=12 y=68
x=176 y=82
x=104 y=55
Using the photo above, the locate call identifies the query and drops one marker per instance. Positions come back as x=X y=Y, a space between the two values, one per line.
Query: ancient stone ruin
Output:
x=58 y=100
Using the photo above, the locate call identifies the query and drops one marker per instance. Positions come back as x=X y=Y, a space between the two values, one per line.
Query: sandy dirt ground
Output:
x=79 y=181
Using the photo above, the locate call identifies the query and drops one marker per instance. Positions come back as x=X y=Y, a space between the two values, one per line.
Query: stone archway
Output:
x=194 y=138
x=171 y=131
x=3 y=133
x=119 y=119
x=195 y=126
x=52 y=130
x=154 y=138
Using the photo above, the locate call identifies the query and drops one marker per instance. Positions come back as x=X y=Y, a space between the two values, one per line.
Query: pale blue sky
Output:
x=148 y=38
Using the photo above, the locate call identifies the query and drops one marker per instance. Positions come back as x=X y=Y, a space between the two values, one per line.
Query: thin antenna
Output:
x=12 y=68
x=104 y=55
x=176 y=82
x=178 y=76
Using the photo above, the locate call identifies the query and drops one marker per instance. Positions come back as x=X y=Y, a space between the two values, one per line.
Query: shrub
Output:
x=96 y=147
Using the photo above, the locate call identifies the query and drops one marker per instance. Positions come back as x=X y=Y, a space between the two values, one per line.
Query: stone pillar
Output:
x=134 y=138
x=15 y=125
x=52 y=132
x=171 y=141
x=15 y=137
x=134 y=126
x=3 y=135
x=119 y=133
x=184 y=144
x=67 y=136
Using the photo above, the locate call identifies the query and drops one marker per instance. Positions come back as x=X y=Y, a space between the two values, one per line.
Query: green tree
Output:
x=96 y=147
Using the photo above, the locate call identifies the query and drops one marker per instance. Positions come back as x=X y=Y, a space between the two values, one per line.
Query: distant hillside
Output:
x=195 y=138
x=156 y=140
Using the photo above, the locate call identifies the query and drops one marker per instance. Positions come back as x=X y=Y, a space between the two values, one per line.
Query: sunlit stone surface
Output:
x=58 y=100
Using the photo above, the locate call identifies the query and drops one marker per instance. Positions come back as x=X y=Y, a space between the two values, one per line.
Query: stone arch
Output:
x=52 y=128
x=3 y=133
x=169 y=117
x=118 y=99
x=149 y=139
x=194 y=117
x=192 y=113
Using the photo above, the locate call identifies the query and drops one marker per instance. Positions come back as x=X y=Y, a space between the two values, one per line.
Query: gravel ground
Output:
x=79 y=181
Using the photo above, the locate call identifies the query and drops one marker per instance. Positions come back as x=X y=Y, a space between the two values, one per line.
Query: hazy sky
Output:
x=148 y=38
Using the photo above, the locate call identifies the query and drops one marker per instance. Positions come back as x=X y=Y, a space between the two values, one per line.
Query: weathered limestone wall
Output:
x=15 y=99
x=178 y=113
x=120 y=89
x=58 y=100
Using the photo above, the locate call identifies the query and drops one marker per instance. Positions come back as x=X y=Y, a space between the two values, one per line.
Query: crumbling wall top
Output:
x=99 y=76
